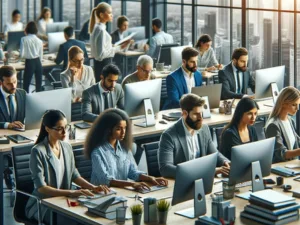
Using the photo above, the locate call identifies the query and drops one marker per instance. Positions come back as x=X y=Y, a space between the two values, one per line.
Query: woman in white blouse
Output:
x=101 y=43
x=77 y=76
x=44 y=19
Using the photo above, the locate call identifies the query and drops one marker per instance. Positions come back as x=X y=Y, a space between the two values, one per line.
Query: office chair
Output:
x=24 y=184
x=215 y=79
x=83 y=165
x=151 y=150
x=54 y=78
x=163 y=93
x=76 y=111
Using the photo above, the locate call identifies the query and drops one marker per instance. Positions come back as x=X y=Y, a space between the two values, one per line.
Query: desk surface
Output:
x=216 y=119
x=80 y=212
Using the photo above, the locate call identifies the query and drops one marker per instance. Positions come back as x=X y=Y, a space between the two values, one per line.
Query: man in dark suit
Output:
x=182 y=80
x=62 y=54
x=188 y=139
x=12 y=100
x=235 y=77
x=103 y=95
x=118 y=34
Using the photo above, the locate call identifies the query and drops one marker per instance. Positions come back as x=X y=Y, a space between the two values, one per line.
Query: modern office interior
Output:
x=185 y=111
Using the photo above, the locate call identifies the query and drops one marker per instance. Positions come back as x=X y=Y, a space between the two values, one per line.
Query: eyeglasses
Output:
x=61 y=129
x=77 y=61
x=146 y=71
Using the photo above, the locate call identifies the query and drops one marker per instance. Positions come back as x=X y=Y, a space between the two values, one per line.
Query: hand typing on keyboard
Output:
x=100 y=188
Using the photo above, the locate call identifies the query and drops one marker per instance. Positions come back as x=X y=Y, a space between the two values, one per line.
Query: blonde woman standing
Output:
x=282 y=126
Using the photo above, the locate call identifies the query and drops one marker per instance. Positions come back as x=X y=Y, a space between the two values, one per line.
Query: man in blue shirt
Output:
x=182 y=80
x=62 y=54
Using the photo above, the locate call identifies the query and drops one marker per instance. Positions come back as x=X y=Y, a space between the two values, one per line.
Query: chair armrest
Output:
x=38 y=200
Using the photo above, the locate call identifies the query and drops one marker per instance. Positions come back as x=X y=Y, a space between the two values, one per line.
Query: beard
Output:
x=10 y=91
x=191 y=69
x=242 y=69
x=195 y=125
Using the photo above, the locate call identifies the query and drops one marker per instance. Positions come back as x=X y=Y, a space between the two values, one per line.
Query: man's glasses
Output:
x=146 y=71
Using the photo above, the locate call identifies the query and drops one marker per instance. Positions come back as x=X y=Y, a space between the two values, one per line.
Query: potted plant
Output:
x=136 y=212
x=163 y=207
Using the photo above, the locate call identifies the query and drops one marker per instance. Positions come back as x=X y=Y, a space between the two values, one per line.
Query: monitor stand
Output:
x=199 y=208
x=257 y=180
x=275 y=93
x=149 y=114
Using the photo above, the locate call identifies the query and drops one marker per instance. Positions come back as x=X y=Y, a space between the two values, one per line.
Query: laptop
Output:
x=213 y=92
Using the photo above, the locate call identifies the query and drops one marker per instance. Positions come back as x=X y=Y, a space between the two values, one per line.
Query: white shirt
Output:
x=60 y=165
x=31 y=47
x=42 y=26
x=189 y=79
x=235 y=78
x=13 y=27
x=289 y=130
x=6 y=97
x=101 y=46
x=192 y=142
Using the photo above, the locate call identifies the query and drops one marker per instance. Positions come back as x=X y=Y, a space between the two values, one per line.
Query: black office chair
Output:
x=259 y=127
x=83 y=165
x=54 y=78
x=217 y=136
x=163 y=93
x=76 y=111
x=215 y=79
x=24 y=183
x=151 y=150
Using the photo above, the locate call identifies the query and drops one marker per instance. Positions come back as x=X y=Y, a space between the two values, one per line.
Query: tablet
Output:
x=82 y=125
x=17 y=138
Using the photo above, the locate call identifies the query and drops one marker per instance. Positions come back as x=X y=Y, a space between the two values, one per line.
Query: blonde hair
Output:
x=73 y=51
x=287 y=95
x=44 y=10
x=100 y=8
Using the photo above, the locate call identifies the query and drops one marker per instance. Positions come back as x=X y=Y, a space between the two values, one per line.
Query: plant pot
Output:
x=136 y=219
x=162 y=217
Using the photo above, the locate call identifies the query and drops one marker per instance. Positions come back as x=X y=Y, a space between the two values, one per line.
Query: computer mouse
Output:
x=162 y=122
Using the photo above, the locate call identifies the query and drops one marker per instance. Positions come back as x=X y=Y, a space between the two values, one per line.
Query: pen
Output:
x=68 y=202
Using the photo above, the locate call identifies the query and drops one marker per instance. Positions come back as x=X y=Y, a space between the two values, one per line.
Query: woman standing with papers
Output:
x=109 y=144
x=101 y=43
x=52 y=166
x=282 y=126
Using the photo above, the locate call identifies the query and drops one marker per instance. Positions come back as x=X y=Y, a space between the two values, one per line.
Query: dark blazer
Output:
x=275 y=128
x=176 y=87
x=173 y=148
x=231 y=137
x=62 y=54
x=115 y=37
x=44 y=173
x=91 y=101
x=226 y=78
x=21 y=100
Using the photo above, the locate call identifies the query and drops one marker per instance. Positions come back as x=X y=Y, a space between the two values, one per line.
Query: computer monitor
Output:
x=265 y=77
x=140 y=32
x=213 y=92
x=164 y=55
x=194 y=178
x=251 y=160
x=56 y=27
x=55 y=40
x=143 y=98
x=37 y=103
x=176 y=58
x=14 y=40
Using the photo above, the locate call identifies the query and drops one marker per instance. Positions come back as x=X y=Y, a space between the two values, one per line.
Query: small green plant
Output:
x=136 y=209
x=163 y=205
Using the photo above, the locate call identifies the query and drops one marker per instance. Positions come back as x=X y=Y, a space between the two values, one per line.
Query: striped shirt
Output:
x=110 y=164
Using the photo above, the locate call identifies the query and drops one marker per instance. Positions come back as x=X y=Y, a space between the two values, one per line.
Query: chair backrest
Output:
x=23 y=180
x=151 y=150
x=164 y=93
x=83 y=165
x=76 y=111
x=215 y=79
x=259 y=127
x=54 y=75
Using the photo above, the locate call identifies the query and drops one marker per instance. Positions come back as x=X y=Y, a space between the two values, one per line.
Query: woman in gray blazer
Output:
x=52 y=166
x=77 y=76
x=282 y=126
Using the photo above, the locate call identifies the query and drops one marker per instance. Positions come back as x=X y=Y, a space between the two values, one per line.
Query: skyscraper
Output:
x=210 y=25
x=267 y=43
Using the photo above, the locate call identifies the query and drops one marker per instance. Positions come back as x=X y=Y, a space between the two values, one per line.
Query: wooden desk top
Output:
x=80 y=212
x=130 y=53
x=138 y=132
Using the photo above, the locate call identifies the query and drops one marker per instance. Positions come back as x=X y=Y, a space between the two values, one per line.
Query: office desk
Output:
x=124 y=57
x=138 y=133
x=59 y=205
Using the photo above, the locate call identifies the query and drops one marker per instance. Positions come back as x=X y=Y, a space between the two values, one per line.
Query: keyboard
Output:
x=244 y=184
x=153 y=188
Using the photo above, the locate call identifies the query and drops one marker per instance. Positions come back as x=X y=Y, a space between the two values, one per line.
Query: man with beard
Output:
x=188 y=139
x=235 y=77
x=182 y=80
x=12 y=100
x=159 y=37
x=103 y=95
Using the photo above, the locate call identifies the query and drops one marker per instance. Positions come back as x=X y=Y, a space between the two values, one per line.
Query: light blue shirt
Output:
x=108 y=164
x=160 y=38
